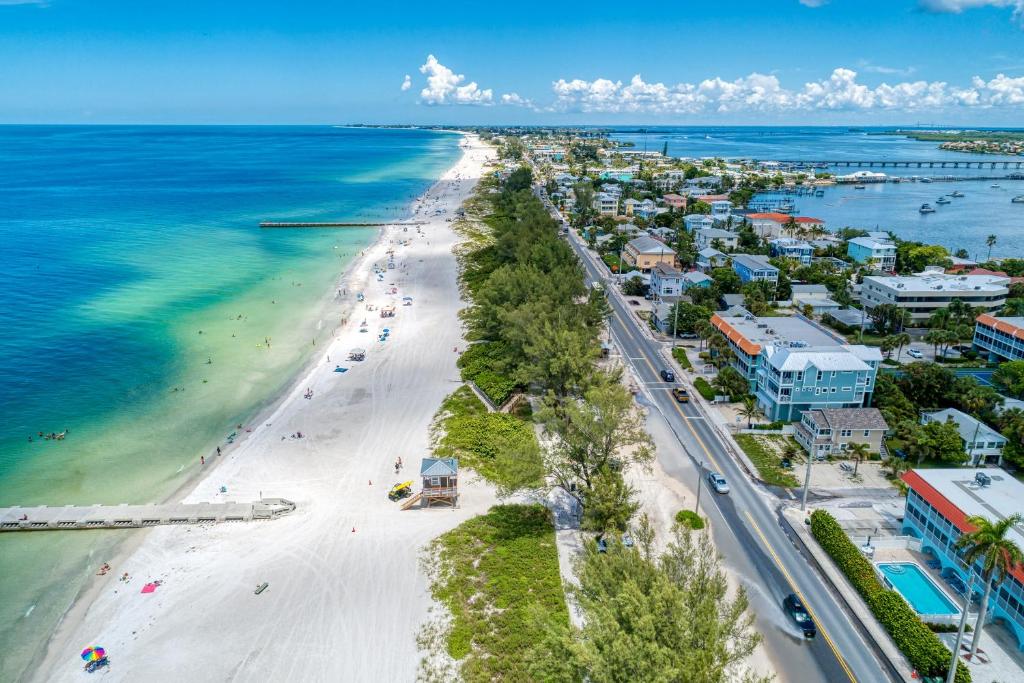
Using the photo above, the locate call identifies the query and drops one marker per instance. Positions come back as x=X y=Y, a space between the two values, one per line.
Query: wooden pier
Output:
x=334 y=224
x=70 y=517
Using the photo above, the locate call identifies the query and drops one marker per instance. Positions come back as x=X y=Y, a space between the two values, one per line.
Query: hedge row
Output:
x=477 y=363
x=680 y=356
x=912 y=636
x=702 y=386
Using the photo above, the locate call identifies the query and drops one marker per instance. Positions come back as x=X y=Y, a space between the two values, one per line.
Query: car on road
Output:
x=634 y=302
x=681 y=395
x=668 y=376
x=797 y=612
x=914 y=353
x=687 y=335
x=718 y=482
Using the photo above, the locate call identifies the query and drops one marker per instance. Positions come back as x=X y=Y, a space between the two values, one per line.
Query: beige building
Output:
x=644 y=253
x=827 y=431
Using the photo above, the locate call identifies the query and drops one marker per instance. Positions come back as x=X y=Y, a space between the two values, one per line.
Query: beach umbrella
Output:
x=93 y=654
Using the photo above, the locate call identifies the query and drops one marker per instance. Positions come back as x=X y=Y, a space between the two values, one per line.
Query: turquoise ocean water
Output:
x=137 y=296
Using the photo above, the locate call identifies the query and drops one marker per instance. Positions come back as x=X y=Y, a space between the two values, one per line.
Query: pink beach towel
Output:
x=150 y=588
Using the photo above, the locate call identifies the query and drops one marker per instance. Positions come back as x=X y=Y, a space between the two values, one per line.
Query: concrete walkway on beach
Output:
x=44 y=518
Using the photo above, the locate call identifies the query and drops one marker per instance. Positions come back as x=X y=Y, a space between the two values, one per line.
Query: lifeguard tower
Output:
x=440 y=483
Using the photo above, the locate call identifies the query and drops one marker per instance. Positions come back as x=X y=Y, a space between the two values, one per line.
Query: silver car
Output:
x=717 y=482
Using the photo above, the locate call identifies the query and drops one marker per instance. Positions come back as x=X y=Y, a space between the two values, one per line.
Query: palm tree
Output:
x=990 y=242
x=902 y=339
x=859 y=451
x=998 y=555
x=749 y=411
x=897 y=465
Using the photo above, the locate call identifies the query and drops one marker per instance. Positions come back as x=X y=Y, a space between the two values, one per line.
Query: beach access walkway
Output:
x=69 y=517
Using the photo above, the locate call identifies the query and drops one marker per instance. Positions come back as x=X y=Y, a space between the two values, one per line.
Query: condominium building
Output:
x=875 y=253
x=794 y=365
x=1000 y=338
x=939 y=504
x=924 y=293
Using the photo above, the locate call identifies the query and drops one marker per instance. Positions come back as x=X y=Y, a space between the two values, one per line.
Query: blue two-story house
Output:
x=789 y=247
x=753 y=268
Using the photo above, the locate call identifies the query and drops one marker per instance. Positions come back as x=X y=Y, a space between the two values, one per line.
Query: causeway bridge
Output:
x=70 y=517
x=889 y=163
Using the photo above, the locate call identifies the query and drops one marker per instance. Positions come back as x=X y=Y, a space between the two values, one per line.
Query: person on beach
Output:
x=218 y=450
x=202 y=459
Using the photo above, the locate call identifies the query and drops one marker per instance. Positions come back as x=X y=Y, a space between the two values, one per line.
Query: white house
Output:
x=704 y=237
x=982 y=444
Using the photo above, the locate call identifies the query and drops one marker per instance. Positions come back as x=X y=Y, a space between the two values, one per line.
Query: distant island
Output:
x=973 y=141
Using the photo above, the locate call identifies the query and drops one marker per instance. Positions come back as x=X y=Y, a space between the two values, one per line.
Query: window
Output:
x=867 y=432
x=820 y=375
x=833 y=390
x=846 y=432
x=435 y=481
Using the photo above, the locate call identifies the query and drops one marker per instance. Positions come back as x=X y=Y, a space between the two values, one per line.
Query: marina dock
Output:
x=334 y=224
x=69 y=517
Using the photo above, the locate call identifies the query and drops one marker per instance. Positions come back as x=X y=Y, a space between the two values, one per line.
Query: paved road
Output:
x=748 y=531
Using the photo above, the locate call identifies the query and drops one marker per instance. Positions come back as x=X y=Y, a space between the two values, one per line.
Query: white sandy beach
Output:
x=346 y=596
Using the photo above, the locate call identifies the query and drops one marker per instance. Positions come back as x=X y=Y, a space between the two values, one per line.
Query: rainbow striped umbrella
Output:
x=93 y=654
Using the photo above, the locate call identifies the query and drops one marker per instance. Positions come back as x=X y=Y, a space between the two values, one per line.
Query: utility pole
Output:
x=700 y=481
x=960 y=631
x=807 y=478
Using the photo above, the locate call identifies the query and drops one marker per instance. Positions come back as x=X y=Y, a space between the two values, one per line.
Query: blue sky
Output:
x=864 y=62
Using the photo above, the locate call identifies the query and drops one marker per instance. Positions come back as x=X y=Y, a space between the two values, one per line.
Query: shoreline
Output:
x=352 y=277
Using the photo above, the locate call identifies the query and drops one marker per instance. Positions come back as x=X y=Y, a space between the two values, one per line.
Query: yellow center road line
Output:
x=792 y=585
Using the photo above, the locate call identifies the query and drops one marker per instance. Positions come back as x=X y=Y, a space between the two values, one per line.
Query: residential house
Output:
x=698 y=221
x=753 y=268
x=982 y=444
x=790 y=247
x=939 y=503
x=924 y=293
x=794 y=365
x=877 y=254
x=823 y=431
x=815 y=296
x=708 y=237
x=1000 y=338
x=645 y=252
x=674 y=202
x=666 y=281
x=695 y=278
x=606 y=203
x=720 y=209
x=708 y=259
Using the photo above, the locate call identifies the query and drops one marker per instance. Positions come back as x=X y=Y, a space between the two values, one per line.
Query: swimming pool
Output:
x=917 y=588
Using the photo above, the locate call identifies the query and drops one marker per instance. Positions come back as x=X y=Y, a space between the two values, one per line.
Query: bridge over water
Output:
x=889 y=163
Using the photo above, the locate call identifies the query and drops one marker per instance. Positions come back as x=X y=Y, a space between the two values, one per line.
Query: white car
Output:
x=717 y=482
x=914 y=353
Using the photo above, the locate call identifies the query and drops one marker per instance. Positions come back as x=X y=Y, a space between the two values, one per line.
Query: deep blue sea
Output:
x=138 y=294
x=964 y=223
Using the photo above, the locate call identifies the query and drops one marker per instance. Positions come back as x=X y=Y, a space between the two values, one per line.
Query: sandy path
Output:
x=342 y=605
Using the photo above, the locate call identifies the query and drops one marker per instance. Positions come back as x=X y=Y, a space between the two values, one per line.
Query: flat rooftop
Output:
x=942 y=282
x=781 y=330
x=1000 y=499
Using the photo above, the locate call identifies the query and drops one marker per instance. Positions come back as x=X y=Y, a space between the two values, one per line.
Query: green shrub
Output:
x=689 y=518
x=497 y=387
x=912 y=636
x=680 y=356
x=772 y=426
x=705 y=390
x=477 y=364
x=767 y=462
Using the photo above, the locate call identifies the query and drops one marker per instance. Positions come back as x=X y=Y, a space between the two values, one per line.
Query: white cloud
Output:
x=515 y=100
x=406 y=82
x=444 y=86
x=958 y=6
x=841 y=91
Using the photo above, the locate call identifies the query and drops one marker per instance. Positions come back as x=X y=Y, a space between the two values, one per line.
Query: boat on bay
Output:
x=1019 y=199
x=942 y=200
x=957 y=194
x=926 y=208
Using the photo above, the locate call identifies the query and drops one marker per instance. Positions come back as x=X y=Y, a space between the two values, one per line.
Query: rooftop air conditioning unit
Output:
x=982 y=479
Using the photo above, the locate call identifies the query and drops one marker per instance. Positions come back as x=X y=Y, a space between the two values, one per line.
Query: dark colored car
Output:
x=681 y=395
x=668 y=376
x=798 y=613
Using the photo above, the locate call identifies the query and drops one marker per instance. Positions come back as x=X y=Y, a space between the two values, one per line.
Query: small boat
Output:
x=926 y=208
x=859 y=187
x=957 y=194
x=942 y=200
x=1019 y=199
x=995 y=185
x=926 y=180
